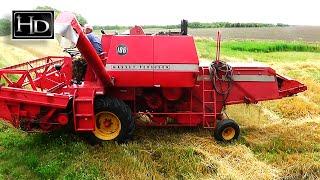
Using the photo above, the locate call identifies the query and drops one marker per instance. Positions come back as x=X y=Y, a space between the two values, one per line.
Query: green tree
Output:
x=56 y=11
x=5 y=26
x=82 y=20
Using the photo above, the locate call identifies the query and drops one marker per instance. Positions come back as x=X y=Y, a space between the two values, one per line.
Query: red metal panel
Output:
x=179 y=53
x=122 y=67
x=174 y=79
x=105 y=42
x=175 y=50
x=253 y=92
x=252 y=84
x=140 y=50
x=34 y=97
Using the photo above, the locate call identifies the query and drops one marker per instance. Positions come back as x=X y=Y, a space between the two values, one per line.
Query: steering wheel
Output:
x=73 y=52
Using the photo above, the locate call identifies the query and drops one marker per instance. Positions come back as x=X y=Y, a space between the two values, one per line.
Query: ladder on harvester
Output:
x=208 y=101
x=83 y=109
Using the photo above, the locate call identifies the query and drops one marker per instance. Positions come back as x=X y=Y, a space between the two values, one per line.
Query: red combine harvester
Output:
x=150 y=80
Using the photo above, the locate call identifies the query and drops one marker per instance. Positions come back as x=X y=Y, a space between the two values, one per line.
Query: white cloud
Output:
x=128 y=12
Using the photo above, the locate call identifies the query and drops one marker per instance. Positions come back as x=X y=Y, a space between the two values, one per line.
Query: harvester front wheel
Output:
x=227 y=130
x=113 y=120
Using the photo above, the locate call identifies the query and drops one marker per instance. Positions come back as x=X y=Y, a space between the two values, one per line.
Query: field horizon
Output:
x=290 y=33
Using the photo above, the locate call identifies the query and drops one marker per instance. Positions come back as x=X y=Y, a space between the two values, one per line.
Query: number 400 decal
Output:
x=122 y=49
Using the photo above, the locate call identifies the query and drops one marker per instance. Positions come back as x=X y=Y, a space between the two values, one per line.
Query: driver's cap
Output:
x=88 y=26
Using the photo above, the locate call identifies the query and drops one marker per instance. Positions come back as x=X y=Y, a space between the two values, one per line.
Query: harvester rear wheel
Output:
x=113 y=120
x=227 y=130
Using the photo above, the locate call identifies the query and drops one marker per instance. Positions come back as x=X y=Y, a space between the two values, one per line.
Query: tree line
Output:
x=197 y=25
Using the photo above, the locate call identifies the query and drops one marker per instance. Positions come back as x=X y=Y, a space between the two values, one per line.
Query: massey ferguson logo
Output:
x=32 y=24
x=122 y=49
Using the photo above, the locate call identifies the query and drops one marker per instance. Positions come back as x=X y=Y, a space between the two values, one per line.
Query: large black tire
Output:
x=122 y=111
x=226 y=131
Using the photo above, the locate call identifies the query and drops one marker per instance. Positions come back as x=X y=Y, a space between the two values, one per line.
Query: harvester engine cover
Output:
x=151 y=60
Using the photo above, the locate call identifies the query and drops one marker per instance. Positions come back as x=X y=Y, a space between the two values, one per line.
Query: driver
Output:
x=95 y=41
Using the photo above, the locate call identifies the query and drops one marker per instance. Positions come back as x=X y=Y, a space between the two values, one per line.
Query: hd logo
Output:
x=32 y=24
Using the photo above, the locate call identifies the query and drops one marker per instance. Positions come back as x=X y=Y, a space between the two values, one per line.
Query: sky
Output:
x=161 y=12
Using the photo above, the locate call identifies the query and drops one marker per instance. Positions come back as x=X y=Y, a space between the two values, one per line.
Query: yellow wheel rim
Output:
x=108 y=126
x=228 y=133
